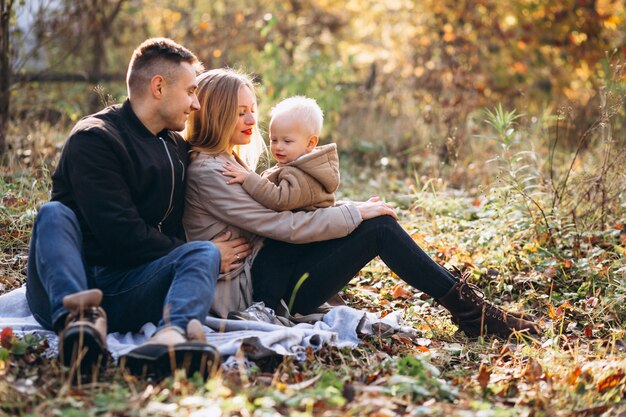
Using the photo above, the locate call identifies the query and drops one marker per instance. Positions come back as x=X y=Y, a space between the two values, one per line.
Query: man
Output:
x=111 y=241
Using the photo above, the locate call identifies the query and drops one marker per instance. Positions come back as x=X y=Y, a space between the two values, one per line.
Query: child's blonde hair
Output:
x=304 y=108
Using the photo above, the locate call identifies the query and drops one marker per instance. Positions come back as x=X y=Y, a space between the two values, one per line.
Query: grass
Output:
x=570 y=272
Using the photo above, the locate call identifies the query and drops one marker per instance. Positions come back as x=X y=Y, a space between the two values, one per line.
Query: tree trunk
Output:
x=102 y=14
x=5 y=71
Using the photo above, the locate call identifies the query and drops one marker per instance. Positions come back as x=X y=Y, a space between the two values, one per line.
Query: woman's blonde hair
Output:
x=210 y=128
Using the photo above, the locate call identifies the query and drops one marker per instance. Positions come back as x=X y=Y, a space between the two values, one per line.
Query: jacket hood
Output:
x=322 y=164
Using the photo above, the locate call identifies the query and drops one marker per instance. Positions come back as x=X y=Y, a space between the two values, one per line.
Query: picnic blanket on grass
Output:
x=340 y=327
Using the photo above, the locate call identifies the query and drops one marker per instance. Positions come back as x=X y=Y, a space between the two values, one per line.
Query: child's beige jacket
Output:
x=308 y=183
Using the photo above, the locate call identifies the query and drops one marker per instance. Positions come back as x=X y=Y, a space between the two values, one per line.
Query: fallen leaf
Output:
x=484 y=375
x=588 y=331
x=573 y=376
x=610 y=381
x=403 y=339
x=6 y=337
x=592 y=411
x=533 y=371
x=552 y=312
x=400 y=291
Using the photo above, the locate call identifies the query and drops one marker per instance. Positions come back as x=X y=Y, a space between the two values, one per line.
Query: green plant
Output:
x=520 y=170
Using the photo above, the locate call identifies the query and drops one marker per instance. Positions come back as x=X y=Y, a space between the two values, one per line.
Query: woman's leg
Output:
x=331 y=264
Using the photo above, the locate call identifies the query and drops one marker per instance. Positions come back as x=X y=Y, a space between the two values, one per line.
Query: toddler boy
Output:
x=306 y=175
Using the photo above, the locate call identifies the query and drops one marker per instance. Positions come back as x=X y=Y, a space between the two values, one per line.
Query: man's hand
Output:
x=233 y=251
x=237 y=173
x=374 y=207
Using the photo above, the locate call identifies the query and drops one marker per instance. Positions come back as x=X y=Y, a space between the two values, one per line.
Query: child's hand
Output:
x=237 y=173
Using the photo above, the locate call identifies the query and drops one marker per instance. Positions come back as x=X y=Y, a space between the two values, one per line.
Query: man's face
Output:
x=179 y=97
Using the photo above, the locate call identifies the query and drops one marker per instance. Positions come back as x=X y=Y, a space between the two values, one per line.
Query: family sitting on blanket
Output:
x=109 y=252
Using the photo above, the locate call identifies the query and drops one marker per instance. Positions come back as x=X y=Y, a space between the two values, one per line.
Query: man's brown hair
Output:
x=155 y=56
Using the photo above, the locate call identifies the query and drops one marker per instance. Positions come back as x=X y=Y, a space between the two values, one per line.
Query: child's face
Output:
x=289 y=138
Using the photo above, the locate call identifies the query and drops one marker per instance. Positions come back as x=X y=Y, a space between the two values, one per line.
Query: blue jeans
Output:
x=170 y=290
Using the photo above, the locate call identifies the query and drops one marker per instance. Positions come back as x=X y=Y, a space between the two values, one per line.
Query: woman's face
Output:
x=246 y=121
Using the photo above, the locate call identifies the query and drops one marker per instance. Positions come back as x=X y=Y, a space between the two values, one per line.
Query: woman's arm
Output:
x=207 y=189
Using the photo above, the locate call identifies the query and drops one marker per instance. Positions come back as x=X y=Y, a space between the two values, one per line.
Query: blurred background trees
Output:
x=395 y=78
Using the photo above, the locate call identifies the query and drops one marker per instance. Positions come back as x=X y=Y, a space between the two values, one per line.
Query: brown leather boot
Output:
x=477 y=317
x=82 y=342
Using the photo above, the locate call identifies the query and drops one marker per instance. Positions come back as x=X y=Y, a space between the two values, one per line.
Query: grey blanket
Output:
x=340 y=327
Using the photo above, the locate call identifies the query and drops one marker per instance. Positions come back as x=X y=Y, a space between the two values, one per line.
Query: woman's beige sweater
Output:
x=213 y=207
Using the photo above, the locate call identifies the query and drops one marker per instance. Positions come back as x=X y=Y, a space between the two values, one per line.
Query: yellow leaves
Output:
x=584 y=72
x=531 y=248
x=509 y=22
x=449 y=37
x=621 y=250
x=520 y=67
x=612 y=22
x=572 y=377
x=578 y=38
x=203 y=25
x=559 y=313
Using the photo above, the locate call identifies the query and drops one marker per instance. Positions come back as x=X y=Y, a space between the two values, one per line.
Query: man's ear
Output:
x=313 y=140
x=156 y=86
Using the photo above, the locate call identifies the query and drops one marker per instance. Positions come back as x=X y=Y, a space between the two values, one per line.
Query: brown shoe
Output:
x=82 y=342
x=477 y=317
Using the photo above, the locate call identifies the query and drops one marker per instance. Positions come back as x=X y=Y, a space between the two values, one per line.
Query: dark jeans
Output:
x=170 y=290
x=332 y=263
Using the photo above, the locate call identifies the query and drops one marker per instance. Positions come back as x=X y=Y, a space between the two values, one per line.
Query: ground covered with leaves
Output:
x=554 y=248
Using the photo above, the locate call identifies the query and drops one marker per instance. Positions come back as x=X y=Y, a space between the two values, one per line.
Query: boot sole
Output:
x=82 y=351
x=160 y=361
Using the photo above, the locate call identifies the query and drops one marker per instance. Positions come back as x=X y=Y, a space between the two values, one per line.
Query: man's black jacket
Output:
x=125 y=185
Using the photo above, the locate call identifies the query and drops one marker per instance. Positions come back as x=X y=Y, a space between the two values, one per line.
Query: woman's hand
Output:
x=237 y=173
x=374 y=207
x=232 y=251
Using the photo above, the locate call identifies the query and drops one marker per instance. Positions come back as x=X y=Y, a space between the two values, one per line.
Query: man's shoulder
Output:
x=106 y=120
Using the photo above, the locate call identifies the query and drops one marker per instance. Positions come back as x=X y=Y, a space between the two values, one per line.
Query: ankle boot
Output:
x=477 y=317
x=82 y=342
x=171 y=349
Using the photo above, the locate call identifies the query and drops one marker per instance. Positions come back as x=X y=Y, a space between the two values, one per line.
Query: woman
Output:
x=330 y=245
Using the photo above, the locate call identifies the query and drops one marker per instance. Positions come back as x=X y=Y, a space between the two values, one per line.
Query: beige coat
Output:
x=213 y=207
x=308 y=183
